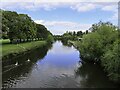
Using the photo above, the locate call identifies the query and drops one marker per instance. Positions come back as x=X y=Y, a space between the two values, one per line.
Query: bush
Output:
x=50 y=39
x=101 y=46
x=111 y=61
x=91 y=47
x=94 y=44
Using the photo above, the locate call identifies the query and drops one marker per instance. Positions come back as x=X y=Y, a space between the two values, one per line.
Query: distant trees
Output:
x=76 y=33
x=73 y=35
x=21 y=28
x=79 y=33
x=67 y=36
x=50 y=38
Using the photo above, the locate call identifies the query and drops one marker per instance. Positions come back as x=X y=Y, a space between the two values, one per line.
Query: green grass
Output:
x=5 y=41
x=19 y=48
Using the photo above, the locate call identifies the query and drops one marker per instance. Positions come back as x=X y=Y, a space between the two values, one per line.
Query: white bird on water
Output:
x=16 y=63
x=28 y=60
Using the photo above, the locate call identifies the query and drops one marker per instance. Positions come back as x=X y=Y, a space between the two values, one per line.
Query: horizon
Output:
x=59 y=17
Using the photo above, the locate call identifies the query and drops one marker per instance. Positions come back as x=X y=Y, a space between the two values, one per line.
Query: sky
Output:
x=60 y=16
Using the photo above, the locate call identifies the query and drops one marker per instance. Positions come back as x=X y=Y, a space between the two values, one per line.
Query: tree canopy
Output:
x=20 y=27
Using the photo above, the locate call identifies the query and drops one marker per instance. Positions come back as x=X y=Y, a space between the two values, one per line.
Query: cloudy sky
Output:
x=60 y=16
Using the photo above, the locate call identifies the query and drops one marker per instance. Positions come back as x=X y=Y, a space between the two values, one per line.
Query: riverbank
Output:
x=113 y=77
x=74 y=43
x=57 y=65
x=11 y=50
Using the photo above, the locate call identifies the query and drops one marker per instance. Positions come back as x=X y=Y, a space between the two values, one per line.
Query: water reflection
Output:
x=16 y=73
x=65 y=43
x=92 y=76
x=58 y=67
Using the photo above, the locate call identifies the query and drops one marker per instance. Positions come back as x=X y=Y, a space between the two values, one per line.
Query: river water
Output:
x=56 y=66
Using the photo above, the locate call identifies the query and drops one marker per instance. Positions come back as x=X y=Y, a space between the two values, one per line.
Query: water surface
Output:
x=55 y=67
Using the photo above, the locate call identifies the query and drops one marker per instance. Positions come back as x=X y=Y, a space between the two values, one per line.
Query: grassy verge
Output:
x=5 y=41
x=15 y=49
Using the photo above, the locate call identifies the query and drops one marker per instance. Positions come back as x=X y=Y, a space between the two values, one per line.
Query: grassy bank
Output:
x=14 y=49
x=5 y=41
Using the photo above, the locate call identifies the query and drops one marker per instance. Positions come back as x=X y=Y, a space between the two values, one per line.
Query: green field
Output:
x=19 y=48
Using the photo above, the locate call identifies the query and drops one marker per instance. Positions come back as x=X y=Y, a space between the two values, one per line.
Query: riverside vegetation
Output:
x=100 y=46
x=20 y=33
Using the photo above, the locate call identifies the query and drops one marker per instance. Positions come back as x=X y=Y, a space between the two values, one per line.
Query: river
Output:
x=58 y=66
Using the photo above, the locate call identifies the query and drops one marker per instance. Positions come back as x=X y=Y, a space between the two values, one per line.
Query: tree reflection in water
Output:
x=11 y=73
x=92 y=75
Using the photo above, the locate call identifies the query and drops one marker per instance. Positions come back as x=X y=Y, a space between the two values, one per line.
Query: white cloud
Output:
x=17 y=0
x=14 y=5
x=59 y=1
x=60 y=27
x=83 y=7
x=31 y=5
x=110 y=8
x=47 y=6
x=79 y=6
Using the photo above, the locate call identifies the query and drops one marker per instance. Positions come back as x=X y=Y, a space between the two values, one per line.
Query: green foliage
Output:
x=101 y=46
x=50 y=38
x=69 y=36
x=91 y=46
x=73 y=35
x=20 y=27
x=111 y=61
x=79 y=33
x=42 y=31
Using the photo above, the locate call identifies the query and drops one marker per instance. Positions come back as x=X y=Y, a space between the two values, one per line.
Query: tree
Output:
x=50 y=38
x=101 y=46
x=42 y=31
x=74 y=33
x=20 y=27
x=79 y=33
x=86 y=32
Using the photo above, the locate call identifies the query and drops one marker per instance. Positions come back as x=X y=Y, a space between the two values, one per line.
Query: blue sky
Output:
x=60 y=17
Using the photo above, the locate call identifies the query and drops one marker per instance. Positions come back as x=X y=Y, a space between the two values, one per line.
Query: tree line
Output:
x=73 y=35
x=21 y=28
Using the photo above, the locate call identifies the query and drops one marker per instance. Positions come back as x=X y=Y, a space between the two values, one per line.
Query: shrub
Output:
x=102 y=45
x=91 y=47
x=111 y=61
x=50 y=38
